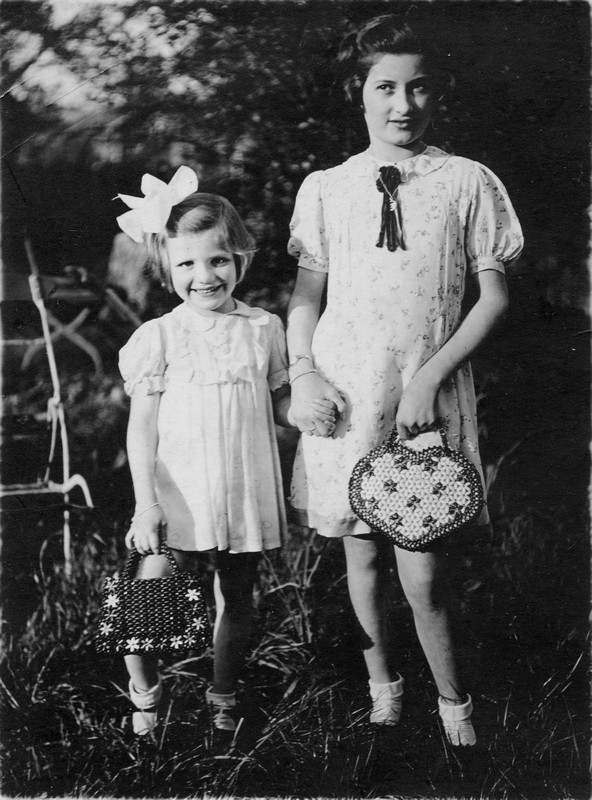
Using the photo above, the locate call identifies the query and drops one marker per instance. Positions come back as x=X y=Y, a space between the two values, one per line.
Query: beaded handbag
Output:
x=152 y=615
x=415 y=496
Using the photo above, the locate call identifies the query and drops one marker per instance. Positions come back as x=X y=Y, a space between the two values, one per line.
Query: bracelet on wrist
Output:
x=308 y=372
x=303 y=365
x=296 y=358
x=143 y=511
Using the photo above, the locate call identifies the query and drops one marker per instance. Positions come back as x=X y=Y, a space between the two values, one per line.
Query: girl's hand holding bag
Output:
x=152 y=615
x=415 y=496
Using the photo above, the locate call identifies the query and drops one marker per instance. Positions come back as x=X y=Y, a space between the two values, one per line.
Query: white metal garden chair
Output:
x=47 y=483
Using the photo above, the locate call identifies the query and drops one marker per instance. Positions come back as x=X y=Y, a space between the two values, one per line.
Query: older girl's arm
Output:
x=417 y=408
x=307 y=386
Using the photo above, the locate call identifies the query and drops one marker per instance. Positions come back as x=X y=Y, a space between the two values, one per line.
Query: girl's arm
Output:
x=309 y=390
x=281 y=407
x=142 y=441
x=417 y=408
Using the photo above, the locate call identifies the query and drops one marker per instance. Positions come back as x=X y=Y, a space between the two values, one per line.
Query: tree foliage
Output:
x=246 y=93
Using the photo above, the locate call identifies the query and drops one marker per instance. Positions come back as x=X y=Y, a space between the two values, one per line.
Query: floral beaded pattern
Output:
x=415 y=498
x=161 y=615
x=387 y=313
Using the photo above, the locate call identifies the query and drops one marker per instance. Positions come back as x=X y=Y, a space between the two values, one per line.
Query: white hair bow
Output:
x=150 y=213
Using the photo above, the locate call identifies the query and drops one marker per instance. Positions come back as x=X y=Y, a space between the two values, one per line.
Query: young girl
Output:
x=204 y=381
x=397 y=230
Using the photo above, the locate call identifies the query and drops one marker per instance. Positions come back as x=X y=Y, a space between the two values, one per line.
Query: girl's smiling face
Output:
x=398 y=98
x=203 y=273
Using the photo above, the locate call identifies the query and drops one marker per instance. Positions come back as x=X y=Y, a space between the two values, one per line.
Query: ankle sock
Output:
x=386 y=702
x=222 y=705
x=146 y=701
x=456 y=720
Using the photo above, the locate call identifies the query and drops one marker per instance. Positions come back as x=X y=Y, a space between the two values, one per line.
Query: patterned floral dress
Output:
x=388 y=312
x=217 y=471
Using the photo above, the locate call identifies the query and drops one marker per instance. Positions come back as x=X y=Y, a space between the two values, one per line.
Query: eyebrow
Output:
x=215 y=254
x=418 y=79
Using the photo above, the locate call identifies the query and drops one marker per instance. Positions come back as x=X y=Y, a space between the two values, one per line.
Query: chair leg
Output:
x=67 y=541
x=66 y=331
x=69 y=331
x=78 y=480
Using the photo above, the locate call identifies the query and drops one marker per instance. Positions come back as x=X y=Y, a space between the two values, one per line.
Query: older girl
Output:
x=393 y=234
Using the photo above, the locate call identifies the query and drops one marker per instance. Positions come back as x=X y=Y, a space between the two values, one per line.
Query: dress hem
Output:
x=338 y=529
x=262 y=549
x=329 y=528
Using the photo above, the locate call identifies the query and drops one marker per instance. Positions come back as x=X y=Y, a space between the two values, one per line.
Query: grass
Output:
x=304 y=702
x=523 y=591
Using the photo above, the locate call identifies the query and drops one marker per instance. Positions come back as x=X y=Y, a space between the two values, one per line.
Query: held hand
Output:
x=417 y=409
x=144 y=533
x=325 y=415
x=312 y=401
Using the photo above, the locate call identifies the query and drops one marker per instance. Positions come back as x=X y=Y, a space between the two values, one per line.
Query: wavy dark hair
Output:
x=387 y=35
x=200 y=212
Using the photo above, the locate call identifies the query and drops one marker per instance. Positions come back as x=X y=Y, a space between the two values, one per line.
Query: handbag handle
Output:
x=438 y=427
x=134 y=558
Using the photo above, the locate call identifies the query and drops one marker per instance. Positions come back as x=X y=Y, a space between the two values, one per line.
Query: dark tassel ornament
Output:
x=391 y=224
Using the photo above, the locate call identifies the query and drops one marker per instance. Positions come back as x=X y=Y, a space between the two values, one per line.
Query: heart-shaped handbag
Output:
x=415 y=496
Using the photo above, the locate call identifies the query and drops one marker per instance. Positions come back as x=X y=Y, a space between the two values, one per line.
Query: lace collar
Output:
x=193 y=320
x=430 y=160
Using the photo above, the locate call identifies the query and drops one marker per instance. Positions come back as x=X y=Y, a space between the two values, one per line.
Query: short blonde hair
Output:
x=200 y=212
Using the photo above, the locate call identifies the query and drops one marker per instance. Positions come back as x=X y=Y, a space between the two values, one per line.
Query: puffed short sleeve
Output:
x=494 y=236
x=277 y=373
x=142 y=360
x=308 y=242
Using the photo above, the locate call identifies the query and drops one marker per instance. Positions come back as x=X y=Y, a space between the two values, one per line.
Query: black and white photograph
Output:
x=295 y=432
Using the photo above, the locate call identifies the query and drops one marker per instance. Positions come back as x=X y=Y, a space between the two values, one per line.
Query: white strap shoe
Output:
x=386 y=702
x=221 y=705
x=456 y=720
x=144 y=720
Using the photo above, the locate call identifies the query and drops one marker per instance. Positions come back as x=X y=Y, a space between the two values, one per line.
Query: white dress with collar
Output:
x=387 y=312
x=217 y=471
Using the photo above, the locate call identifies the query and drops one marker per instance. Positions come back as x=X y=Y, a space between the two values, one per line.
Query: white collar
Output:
x=194 y=320
x=430 y=160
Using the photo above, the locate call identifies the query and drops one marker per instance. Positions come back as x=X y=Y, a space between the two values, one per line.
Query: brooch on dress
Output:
x=391 y=225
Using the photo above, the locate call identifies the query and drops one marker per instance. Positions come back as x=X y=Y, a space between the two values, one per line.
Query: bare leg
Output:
x=423 y=578
x=367 y=599
x=145 y=687
x=233 y=589
x=143 y=670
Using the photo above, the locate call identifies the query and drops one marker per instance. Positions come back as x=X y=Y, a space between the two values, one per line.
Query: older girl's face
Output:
x=399 y=99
